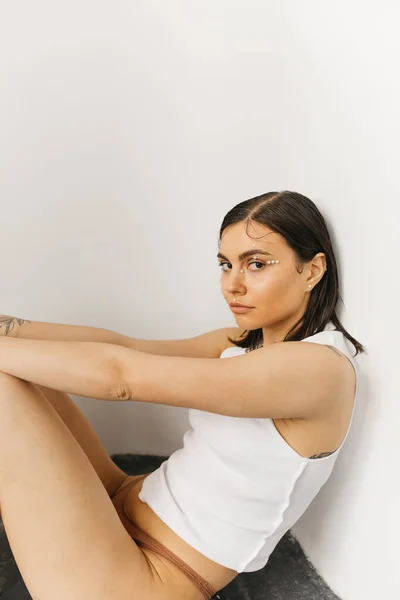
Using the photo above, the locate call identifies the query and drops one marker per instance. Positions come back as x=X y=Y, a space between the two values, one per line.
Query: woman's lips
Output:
x=241 y=309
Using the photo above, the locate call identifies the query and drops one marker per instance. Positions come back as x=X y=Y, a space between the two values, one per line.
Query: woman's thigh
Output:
x=64 y=532
x=109 y=473
x=63 y=529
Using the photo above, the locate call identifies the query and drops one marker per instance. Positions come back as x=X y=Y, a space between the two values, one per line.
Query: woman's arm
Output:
x=81 y=368
x=38 y=330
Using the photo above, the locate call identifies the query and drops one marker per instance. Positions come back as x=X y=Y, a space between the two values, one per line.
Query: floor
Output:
x=287 y=576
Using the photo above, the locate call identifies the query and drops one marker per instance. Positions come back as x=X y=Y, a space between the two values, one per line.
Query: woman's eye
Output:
x=221 y=264
x=256 y=262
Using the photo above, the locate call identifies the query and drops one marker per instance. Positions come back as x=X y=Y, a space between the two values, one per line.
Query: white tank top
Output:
x=236 y=486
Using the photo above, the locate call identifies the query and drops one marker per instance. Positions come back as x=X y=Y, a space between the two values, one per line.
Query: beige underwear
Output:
x=147 y=541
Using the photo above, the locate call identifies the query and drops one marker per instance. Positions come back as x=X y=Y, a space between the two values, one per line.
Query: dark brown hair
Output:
x=299 y=221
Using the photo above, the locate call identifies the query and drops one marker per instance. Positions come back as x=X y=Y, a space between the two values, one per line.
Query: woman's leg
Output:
x=110 y=475
x=64 y=532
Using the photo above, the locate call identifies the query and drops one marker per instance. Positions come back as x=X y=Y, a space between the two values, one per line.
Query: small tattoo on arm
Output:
x=9 y=322
x=321 y=455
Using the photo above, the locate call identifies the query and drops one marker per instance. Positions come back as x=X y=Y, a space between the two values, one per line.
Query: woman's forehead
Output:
x=238 y=239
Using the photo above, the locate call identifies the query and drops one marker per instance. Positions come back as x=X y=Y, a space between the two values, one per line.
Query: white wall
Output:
x=128 y=130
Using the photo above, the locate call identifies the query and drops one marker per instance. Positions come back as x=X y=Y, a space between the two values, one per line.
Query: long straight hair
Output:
x=299 y=221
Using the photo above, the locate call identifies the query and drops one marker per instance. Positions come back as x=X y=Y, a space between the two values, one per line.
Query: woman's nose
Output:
x=235 y=279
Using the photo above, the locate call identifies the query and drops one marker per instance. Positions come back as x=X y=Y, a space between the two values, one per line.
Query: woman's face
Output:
x=277 y=292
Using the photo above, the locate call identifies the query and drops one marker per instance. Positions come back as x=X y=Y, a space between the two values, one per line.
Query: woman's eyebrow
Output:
x=247 y=253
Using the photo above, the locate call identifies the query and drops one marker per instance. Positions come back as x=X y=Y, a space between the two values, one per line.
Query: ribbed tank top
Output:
x=236 y=486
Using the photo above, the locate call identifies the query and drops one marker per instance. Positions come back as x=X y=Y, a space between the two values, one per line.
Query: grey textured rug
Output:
x=288 y=574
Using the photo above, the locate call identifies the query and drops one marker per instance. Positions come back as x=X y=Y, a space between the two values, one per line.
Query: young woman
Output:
x=266 y=425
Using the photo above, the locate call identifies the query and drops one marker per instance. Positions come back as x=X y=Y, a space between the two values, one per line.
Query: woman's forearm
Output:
x=39 y=330
x=82 y=368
